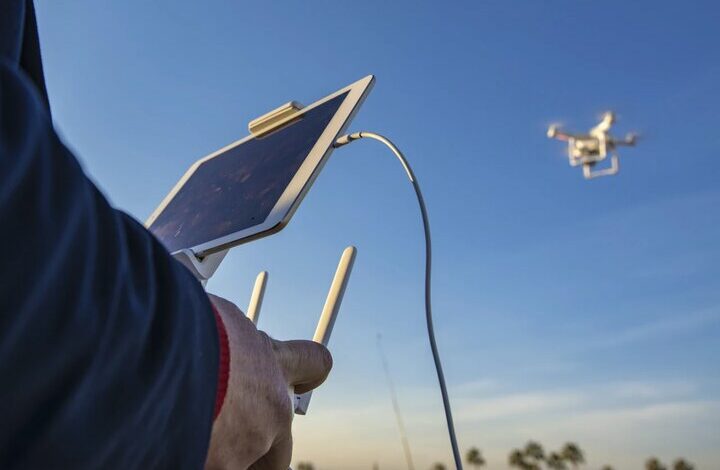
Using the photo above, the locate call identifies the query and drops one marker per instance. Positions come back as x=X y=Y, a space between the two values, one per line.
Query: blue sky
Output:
x=565 y=309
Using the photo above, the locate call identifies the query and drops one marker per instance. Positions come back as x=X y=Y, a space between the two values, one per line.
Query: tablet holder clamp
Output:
x=202 y=267
x=275 y=119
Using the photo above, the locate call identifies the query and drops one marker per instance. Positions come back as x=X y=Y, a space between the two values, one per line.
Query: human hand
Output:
x=253 y=429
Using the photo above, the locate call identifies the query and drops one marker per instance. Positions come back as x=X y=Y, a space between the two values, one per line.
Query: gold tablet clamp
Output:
x=275 y=119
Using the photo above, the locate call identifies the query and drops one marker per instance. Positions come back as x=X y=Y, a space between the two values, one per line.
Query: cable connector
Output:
x=347 y=138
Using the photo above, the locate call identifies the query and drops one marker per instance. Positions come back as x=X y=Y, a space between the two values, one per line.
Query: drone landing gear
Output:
x=589 y=172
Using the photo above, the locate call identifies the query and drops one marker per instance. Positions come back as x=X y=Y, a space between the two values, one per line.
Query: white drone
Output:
x=591 y=148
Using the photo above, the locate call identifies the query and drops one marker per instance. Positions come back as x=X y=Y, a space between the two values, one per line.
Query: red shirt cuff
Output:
x=223 y=364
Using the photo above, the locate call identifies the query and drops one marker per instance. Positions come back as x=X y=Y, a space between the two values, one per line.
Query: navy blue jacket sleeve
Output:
x=108 y=347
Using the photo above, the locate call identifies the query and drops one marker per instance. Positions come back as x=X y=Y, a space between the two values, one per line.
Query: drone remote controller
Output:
x=327 y=317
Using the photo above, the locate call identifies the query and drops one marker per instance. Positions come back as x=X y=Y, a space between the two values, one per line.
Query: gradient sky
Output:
x=565 y=309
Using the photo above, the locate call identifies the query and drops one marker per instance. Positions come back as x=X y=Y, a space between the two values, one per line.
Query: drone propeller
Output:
x=555 y=128
x=631 y=138
x=552 y=130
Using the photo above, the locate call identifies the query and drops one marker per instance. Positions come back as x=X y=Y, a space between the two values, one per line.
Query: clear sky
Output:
x=565 y=309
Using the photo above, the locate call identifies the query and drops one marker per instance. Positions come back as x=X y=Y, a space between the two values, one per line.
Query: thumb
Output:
x=306 y=364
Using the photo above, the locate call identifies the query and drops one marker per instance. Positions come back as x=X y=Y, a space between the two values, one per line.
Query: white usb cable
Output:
x=346 y=139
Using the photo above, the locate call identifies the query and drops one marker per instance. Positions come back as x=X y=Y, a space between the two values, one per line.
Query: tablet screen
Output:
x=238 y=188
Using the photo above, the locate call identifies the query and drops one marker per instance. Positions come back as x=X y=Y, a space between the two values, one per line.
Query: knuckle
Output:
x=268 y=343
x=325 y=358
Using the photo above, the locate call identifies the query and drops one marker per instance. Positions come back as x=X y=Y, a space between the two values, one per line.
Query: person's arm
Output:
x=108 y=346
x=111 y=355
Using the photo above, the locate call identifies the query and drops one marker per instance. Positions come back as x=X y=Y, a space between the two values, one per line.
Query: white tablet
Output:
x=252 y=187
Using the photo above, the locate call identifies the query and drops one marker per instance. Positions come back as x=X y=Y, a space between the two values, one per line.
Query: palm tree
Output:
x=439 y=466
x=517 y=459
x=474 y=457
x=305 y=466
x=556 y=461
x=682 y=464
x=535 y=451
x=571 y=453
x=654 y=464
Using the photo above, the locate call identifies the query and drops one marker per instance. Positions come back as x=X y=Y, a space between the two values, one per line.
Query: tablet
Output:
x=252 y=187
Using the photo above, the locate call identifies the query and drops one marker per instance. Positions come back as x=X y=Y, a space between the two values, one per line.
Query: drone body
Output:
x=592 y=148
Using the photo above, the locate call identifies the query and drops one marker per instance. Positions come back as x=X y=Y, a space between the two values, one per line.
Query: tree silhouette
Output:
x=474 y=457
x=682 y=464
x=533 y=455
x=555 y=461
x=654 y=464
x=517 y=459
x=305 y=466
x=534 y=451
x=571 y=453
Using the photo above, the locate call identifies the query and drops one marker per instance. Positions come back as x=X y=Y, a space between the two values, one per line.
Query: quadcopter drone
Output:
x=590 y=149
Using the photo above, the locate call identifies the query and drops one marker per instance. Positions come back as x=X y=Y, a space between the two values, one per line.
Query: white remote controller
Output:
x=327 y=317
x=204 y=270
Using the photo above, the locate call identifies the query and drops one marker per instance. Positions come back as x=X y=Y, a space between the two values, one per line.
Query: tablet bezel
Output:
x=299 y=185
